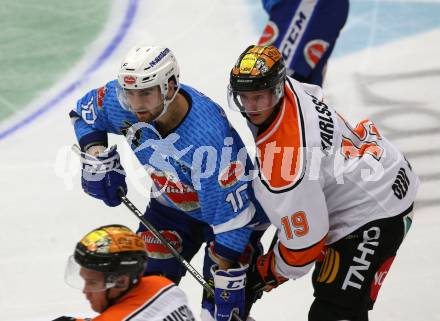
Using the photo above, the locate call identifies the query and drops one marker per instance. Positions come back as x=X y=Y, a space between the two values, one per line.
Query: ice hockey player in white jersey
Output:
x=341 y=197
x=107 y=265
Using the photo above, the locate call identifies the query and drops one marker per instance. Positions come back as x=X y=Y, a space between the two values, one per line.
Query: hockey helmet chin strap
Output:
x=167 y=102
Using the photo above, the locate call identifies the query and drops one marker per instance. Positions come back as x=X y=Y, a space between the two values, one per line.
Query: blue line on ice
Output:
x=107 y=52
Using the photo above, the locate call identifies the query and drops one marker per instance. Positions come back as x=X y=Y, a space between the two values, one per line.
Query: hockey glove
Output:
x=229 y=292
x=102 y=175
x=269 y=278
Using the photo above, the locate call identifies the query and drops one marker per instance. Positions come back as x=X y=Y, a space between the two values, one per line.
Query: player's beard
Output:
x=147 y=116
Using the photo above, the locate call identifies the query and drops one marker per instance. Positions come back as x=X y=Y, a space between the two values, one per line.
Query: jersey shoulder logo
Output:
x=88 y=112
x=100 y=95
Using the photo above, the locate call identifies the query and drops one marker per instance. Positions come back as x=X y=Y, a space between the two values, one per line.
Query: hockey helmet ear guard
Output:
x=257 y=80
x=147 y=67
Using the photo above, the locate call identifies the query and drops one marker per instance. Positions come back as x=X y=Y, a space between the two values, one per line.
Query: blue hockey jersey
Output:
x=201 y=168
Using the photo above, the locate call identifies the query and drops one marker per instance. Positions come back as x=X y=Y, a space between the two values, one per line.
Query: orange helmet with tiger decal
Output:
x=258 y=69
x=114 y=250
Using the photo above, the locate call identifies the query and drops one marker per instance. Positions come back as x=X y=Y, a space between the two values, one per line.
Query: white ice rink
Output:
x=44 y=211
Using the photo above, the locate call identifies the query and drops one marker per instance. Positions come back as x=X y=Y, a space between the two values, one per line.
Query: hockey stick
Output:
x=176 y=254
x=274 y=240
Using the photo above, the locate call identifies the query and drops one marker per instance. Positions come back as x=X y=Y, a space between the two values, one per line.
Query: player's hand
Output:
x=64 y=319
x=229 y=292
x=103 y=175
x=269 y=278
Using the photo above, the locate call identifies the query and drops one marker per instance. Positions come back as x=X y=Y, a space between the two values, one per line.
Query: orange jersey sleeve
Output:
x=155 y=298
x=301 y=257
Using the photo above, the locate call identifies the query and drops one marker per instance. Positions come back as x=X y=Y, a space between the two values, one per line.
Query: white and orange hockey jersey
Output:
x=155 y=298
x=321 y=179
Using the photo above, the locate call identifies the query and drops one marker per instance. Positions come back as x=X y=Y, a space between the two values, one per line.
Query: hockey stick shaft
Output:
x=274 y=240
x=160 y=237
x=176 y=254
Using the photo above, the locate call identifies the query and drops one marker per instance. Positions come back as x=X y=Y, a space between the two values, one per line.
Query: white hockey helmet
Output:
x=146 y=67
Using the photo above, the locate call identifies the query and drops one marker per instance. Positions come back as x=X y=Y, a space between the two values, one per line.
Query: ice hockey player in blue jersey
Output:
x=305 y=32
x=198 y=164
